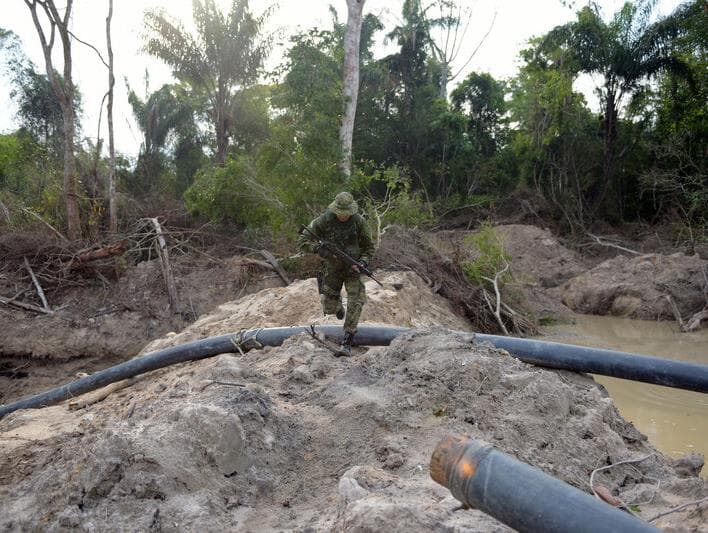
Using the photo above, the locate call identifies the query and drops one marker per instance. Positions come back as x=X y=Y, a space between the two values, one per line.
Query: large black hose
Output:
x=606 y=362
x=519 y=495
x=632 y=366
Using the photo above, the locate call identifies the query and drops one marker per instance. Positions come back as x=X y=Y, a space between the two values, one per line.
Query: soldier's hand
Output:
x=355 y=268
x=323 y=249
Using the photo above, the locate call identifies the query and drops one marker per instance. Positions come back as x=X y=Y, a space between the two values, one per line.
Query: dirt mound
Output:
x=290 y=438
x=404 y=300
x=641 y=287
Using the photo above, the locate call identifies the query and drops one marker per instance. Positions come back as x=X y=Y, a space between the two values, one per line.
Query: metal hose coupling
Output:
x=519 y=495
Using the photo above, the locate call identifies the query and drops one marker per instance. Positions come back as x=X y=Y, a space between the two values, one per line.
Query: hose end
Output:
x=448 y=461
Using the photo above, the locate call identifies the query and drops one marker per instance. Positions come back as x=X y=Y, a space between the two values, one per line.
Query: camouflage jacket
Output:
x=352 y=237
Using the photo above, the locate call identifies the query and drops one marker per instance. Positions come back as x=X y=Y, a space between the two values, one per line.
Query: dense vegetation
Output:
x=264 y=155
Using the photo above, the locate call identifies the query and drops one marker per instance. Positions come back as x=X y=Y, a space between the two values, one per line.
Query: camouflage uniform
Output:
x=352 y=237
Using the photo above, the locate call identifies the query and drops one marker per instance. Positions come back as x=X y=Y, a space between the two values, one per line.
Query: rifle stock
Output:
x=340 y=254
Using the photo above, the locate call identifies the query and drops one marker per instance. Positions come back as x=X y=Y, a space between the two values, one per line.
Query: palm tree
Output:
x=626 y=52
x=223 y=57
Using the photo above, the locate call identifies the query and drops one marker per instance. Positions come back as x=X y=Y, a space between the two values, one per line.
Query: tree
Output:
x=164 y=112
x=625 y=52
x=555 y=140
x=350 y=87
x=223 y=57
x=64 y=91
x=453 y=21
x=112 y=209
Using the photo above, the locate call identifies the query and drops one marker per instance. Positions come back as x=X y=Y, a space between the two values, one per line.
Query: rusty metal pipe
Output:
x=519 y=495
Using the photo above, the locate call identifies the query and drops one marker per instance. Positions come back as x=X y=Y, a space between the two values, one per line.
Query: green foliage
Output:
x=389 y=199
x=29 y=173
x=555 y=145
x=625 y=52
x=491 y=258
x=229 y=193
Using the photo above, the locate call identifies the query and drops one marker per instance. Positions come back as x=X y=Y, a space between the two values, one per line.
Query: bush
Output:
x=491 y=259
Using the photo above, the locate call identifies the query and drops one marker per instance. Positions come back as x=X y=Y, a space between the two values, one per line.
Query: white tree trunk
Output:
x=64 y=91
x=112 y=211
x=350 y=88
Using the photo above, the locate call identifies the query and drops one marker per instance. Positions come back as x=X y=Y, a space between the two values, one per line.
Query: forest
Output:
x=260 y=152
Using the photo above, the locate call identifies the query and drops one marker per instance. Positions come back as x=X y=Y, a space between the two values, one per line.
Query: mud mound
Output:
x=640 y=287
x=290 y=438
x=404 y=300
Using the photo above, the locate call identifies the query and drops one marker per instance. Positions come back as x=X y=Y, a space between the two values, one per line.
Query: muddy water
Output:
x=676 y=421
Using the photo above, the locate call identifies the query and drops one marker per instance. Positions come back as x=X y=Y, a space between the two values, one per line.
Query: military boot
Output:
x=346 y=347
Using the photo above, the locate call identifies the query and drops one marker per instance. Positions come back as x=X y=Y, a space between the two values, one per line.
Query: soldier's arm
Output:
x=366 y=242
x=305 y=241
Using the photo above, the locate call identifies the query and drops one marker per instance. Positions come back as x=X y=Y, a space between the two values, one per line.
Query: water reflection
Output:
x=676 y=421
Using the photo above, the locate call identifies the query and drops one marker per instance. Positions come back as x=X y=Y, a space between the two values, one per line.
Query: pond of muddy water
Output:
x=675 y=420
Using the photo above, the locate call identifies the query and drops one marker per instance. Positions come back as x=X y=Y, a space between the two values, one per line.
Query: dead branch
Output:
x=42 y=297
x=162 y=252
x=117 y=248
x=678 y=508
x=695 y=321
x=276 y=266
x=599 y=241
x=101 y=394
x=54 y=230
x=677 y=313
x=604 y=494
x=497 y=308
x=629 y=461
x=22 y=305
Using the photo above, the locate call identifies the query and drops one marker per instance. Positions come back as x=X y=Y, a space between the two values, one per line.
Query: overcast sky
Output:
x=516 y=21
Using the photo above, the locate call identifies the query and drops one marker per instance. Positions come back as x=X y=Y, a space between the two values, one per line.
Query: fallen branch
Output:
x=37 y=286
x=117 y=248
x=678 y=508
x=695 y=321
x=677 y=313
x=276 y=266
x=54 y=230
x=22 y=305
x=601 y=492
x=599 y=241
x=101 y=394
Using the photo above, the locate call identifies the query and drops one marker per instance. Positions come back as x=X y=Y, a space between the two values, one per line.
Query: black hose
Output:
x=632 y=366
x=618 y=364
x=519 y=495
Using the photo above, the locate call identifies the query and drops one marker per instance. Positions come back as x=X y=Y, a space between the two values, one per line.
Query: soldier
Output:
x=342 y=226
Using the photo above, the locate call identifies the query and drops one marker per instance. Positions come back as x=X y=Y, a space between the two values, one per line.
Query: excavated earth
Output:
x=290 y=438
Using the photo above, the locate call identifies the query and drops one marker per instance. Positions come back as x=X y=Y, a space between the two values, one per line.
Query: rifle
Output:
x=334 y=250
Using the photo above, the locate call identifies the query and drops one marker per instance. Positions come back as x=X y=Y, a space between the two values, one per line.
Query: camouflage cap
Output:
x=344 y=204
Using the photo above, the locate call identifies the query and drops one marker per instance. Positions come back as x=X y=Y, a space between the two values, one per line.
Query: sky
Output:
x=514 y=22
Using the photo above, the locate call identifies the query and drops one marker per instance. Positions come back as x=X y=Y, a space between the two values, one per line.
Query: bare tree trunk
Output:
x=221 y=125
x=64 y=91
x=112 y=211
x=350 y=88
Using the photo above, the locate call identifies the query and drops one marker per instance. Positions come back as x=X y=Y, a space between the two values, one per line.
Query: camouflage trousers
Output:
x=331 y=296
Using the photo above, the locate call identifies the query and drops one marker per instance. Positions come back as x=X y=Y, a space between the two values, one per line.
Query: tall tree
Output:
x=625 y=52
x=224 y=56
x=162 y=113
x=64 y=91
x=112 y=210
x=453 y=21
x=350 y=87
